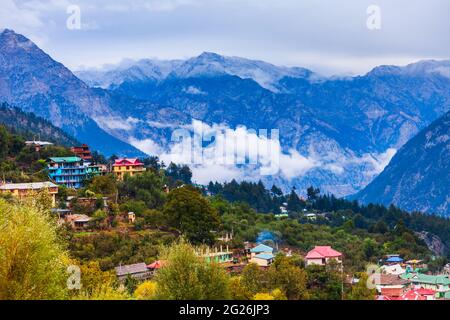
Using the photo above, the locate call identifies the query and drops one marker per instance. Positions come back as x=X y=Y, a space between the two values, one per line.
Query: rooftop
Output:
x=38 y=143
x=394 y=259
x=157 y=264
x=65 y=159
x=128 y=162
x=323 y=252
x=261 y=248
x=131 y=269
x=429 y=279
x=390 y=280
x=28 y=186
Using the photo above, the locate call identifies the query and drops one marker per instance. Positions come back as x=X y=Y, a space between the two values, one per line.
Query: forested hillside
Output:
x=30 y=126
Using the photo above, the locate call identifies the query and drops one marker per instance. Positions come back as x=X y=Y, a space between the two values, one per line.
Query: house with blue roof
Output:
x=263 y=259
x=394 y=259
x=262 y=255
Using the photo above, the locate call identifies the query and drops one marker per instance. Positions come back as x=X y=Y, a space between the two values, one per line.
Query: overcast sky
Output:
x=327 y=36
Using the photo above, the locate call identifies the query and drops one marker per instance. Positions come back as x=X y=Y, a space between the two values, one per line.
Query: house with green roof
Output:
x=67 y=171
x=439 y=283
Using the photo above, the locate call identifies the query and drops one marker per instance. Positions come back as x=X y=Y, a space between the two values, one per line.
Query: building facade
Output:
x=25 y=190
x=262 y=255
x=138 y=271
x=122 y=167
x=67 y=171
x=83 y=152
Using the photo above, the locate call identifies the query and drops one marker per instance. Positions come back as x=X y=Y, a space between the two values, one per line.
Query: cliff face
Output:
x=433 y=242
x=418 y=177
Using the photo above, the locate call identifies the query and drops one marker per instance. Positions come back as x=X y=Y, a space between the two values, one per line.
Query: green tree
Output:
x=312 y=193
x=360 y=291
x=254 y=279
x=4 y=141
x=146 y=291
x=32 y=260
x=324 y=283
x=187 y=211
x=147 y=187
x=288 y=277
x=186 y=276
x=238 y=290
x=105 y=185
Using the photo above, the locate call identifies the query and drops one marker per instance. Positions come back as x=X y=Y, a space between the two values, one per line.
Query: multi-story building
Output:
x=218 y=256
x=24 y=190
x=122 y=167
x=67 y=171
x=83 y=152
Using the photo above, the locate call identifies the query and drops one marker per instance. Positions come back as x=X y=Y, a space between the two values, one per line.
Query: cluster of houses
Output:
x=398 y=280
x=233 y=261
x=406 y=280
x=71 y=172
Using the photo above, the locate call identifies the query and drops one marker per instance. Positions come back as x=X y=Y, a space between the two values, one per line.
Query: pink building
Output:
x=321 y=255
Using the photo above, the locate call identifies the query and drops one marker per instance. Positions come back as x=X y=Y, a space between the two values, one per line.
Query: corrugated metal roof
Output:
x=28 y=186
x=65 y=159
x=261 y=248
x=131 y=269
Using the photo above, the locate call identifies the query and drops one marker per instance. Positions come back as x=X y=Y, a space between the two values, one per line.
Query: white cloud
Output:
x=149 y=5
x=194 y=91
x=294 y=164
x=116 y=123
x=230 y=154
x=18 y=18
x=147 y=145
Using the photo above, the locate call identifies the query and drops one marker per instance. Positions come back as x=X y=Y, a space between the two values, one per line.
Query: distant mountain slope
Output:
x=32 y=80
x=31 y=127
x=418 y=177
x=347 y=129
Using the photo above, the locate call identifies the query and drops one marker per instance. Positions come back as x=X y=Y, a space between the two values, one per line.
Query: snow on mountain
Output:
x=207 y=64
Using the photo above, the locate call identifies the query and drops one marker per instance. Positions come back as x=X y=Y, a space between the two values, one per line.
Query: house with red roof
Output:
x=321 y=255
x=155 y=266
x=390 y=284
x=413 y=295
x=124 y=166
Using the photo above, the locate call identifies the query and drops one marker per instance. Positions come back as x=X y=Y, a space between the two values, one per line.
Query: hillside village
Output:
x=117 y=213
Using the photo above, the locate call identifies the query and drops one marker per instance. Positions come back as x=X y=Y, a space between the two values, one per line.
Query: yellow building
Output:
x=23 y=190
x=121 y=167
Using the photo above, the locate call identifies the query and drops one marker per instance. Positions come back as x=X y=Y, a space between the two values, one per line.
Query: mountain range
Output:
x=418 y=177
x=336 y=133
x=345 y=129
